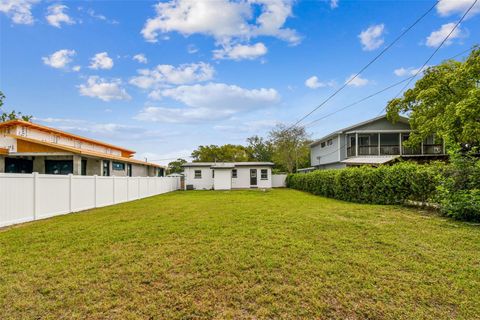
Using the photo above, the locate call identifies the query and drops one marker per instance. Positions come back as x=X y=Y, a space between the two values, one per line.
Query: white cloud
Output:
x=56 y=15
x=101 y=61
x=371 y=38
x=167 y=74
x=224 y=20
x=401 y=72
x=20 y=11
x=313 y=83
x=101 y=17
x=357 y=82
x=192 y=49
x=436 y=37
x=100 y=88
x=76 y=68
x=449 y=7
x=212 y=101
x=240 y=52
x=333 y=4
x=59 y=59
x=140 y=58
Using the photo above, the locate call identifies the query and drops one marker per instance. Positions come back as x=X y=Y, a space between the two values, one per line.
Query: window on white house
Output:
x=329 y=142
x=264 y=174
x=198 y=174
x=234 y=173
x=323 y=144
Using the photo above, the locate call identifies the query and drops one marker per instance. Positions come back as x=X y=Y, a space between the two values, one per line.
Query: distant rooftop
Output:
x=226 y=164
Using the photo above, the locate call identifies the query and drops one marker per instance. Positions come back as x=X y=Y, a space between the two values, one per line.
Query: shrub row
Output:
x=455 y=188
x=384 y=185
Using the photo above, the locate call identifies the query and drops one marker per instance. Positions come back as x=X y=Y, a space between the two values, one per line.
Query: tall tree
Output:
x=176 y=166
x=445 y=102
x=12 y=115
x=214 y=153
x=260 y=149
x=291 y=147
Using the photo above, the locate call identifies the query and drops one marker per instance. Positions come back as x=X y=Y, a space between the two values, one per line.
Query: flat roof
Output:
x=369 y=160
x=60 y=132
x=224 y=164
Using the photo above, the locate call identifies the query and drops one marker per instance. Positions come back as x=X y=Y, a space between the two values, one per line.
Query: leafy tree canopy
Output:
x=176 y=166
x=445 y=102
x=225 y=153
x=290 y=147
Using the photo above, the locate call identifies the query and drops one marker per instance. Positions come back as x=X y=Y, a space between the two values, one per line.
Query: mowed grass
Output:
x=241 y=254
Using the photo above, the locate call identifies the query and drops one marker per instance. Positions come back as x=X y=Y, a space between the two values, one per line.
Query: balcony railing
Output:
x=374 y=150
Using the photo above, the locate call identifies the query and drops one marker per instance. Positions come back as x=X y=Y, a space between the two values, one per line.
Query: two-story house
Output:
x=373 y=142
x=27 y=147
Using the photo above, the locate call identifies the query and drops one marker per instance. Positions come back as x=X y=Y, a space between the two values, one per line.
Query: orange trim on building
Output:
x=43 y=146
x=125 y=152
x=3 y=151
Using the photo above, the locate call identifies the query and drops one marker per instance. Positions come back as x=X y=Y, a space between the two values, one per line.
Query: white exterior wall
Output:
x=327 y=154
x=28 y=197
x=223 y=179
x=205 y=183
x=241 y=182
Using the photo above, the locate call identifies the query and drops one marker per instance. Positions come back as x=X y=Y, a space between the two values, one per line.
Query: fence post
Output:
x=128 y=188
x=70 y=193
x=113 y=189
x=95 y=190
x=35 y=195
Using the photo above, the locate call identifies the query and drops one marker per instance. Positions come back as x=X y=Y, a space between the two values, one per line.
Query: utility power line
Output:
x=433 y=53
x=312 y=123
x=429 y=58
x=365 y=67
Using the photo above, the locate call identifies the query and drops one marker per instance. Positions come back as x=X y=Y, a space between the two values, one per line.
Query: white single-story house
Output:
x=227 y=175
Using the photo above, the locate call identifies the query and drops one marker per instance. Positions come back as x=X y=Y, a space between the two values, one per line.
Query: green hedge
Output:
x=384 y=185
x=454 y=187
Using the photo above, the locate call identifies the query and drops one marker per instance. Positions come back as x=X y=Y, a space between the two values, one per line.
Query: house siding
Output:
x=241 y=182
x=328 y=154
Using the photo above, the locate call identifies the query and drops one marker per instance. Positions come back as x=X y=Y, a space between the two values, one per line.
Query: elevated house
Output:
x=227 y=175
x=373 y=142
x=27 y=147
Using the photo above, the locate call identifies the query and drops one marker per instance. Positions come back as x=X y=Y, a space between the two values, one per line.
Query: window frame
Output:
x=323 y=144
x=329 y=142
x=114 y=163
x=234 y=174
x=262 y=172
x=199 y=176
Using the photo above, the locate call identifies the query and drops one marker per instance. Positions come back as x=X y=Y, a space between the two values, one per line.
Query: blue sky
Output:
x=164 y=77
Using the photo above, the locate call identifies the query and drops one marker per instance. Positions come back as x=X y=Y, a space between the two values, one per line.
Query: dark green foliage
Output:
x=384 y=185
x=455 y=187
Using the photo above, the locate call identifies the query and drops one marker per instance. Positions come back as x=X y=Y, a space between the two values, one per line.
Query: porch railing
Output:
x=373 y=150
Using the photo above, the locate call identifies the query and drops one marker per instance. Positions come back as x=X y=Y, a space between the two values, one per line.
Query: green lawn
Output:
x=241 y=254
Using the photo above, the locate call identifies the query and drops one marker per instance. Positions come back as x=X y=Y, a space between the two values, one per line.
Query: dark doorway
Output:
x=17 y=165
x=129 y=169
x=106 y=168
x=253 y=177
x=84 y=167
x=58 y=166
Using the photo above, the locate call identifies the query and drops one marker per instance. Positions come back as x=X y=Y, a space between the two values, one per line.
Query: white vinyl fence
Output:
x=279 y=180
x=28 y=197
